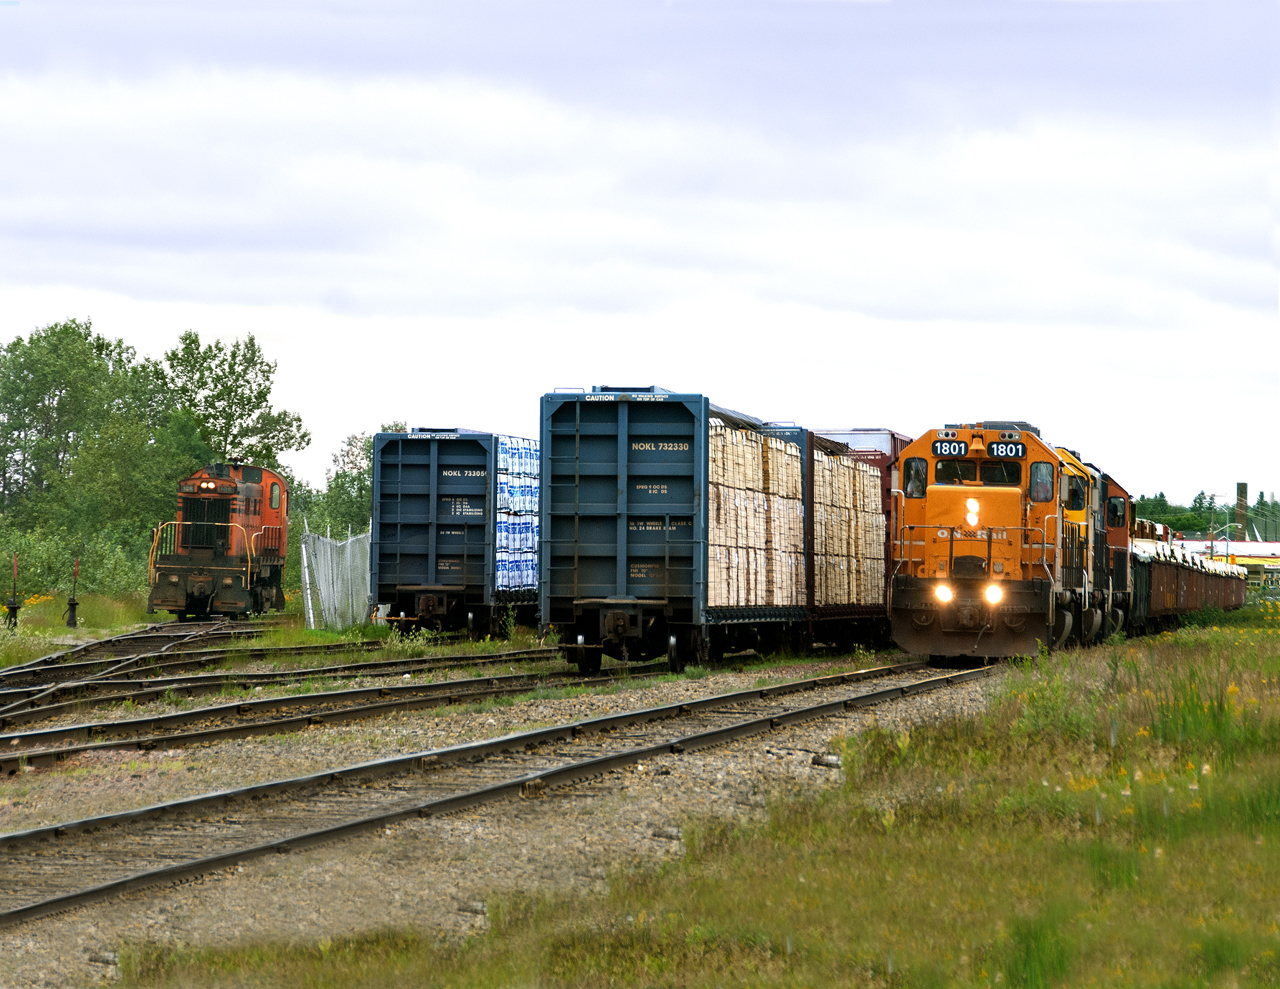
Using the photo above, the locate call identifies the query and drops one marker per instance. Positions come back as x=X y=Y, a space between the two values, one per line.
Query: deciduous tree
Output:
x=227 y=391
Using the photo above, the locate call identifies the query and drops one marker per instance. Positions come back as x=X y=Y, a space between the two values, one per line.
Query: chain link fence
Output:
x=338 y=570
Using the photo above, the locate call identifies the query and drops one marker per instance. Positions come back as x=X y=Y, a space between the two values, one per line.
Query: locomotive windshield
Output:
x=1004 y=472
x=1000 y=472
x=955 y=471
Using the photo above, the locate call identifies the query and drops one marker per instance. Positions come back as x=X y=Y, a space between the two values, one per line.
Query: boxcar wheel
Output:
x=181 y=616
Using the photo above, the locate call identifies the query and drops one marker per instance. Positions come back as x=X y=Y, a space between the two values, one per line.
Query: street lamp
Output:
x=1222 y=528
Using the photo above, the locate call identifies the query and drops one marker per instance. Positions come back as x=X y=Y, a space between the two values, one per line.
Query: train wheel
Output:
x=181 y=616
x=1062 y=628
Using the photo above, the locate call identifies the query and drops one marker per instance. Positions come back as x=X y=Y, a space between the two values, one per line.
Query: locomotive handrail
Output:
x=253 y=543
x=155 y=545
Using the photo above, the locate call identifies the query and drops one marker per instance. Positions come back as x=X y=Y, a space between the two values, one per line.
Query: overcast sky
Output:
x=835 y=213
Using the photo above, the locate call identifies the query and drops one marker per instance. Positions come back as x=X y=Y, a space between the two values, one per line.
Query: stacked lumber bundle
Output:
x=869 y=536
x=848 y=531
x=755 y=514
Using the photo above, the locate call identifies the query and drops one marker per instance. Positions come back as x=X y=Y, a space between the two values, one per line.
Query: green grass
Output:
x=93 y=611
x=393 y=645
x=26 y=645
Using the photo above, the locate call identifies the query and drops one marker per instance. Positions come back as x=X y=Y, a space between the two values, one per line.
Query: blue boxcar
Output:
x=455 y=528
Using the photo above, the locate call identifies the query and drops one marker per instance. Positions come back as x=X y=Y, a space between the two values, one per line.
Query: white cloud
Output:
x=448 y=250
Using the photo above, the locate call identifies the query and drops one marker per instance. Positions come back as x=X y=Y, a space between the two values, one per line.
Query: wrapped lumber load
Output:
x=755 y=520
x=848 y=532
x=834 y=488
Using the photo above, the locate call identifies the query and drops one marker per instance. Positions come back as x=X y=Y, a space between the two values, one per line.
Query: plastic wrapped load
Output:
x=848 y=532
x=755 y=520
x=516 y=524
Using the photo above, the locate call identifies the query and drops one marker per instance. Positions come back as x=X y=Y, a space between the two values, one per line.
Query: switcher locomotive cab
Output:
x=225 y=552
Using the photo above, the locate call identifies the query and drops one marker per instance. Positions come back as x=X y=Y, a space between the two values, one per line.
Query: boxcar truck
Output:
x=455 y=529
x=672 y=526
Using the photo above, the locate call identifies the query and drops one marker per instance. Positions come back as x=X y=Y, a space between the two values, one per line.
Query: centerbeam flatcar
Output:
x=455 y=529
x=673 y=526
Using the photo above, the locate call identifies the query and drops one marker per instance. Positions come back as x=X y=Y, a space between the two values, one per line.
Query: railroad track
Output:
x=18 y=703
x=202 y=660
x=48 y=870
x=274 y=715
x=153 y=640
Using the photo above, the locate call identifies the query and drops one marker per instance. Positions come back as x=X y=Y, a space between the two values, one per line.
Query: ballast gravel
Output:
x=435 y=874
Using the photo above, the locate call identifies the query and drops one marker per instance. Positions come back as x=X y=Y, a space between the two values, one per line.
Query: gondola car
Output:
x=225 y=552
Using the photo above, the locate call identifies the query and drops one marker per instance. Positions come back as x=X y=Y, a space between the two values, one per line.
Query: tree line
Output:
x=1205 y=514
x=94 y=439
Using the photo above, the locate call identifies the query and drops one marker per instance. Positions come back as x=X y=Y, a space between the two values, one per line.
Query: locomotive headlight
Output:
x=943 y=592
x=971 y=519
x=971 y=504
x=994 y=594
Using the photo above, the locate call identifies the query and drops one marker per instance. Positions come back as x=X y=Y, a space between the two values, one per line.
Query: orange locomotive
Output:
x=225 y=553
x=1002 y=543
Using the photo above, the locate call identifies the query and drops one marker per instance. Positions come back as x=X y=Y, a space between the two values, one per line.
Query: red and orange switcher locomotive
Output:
x=225 y=553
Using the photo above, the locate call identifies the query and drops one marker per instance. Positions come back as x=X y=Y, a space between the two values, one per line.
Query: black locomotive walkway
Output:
x=51 y=869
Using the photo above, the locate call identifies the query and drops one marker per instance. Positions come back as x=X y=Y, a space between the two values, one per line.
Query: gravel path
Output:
x=428 y=873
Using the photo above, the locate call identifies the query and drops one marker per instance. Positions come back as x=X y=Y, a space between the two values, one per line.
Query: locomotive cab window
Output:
x=1041 y=481
x=275 y=495
x=915 y=477
x=1000 y=472
x=1075 y=486
x=955 y=471
x=1115 y=512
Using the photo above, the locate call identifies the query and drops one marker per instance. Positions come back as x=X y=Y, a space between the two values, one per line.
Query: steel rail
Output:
x=117 y=666
x=63 y=666
x=43 y=843
x=109 y=642
x=465 y=659
x=23 y=699
x=320 y=705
